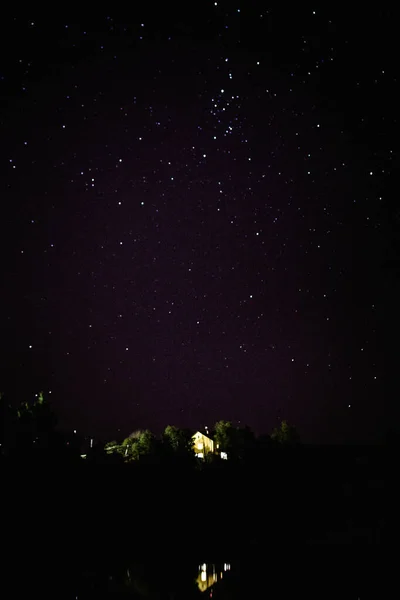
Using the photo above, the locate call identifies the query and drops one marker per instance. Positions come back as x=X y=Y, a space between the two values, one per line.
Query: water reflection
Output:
x=161 y=578
x=188 y=580
x=210 y=574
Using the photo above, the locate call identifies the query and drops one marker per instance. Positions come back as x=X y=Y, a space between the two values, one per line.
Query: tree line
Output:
x=238 y=443
x=32 y=427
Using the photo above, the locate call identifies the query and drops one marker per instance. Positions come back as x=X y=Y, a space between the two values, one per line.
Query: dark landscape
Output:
x=199 y=298
x=286 y=517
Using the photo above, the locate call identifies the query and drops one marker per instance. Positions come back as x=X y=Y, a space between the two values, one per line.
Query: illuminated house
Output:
x=202 y=444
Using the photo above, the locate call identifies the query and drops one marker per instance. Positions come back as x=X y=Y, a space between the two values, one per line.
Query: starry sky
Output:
x=198 y=217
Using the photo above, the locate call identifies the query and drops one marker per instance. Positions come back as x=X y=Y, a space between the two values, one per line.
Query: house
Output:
x=203 y=444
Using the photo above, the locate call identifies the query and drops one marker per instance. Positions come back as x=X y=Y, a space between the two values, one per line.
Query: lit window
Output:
x=200 y=455
x=224 y=455
x=200 y=445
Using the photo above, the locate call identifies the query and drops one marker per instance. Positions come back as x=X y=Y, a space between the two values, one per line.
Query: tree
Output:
x=136 y=434
x=36 y=423
x=245 y=443
x=112 y=447
x=285 y=434
x=45 y=419
x=225 y=436
x=137 y=445
x=144 y=446
x=179 y=441
x=264 y=443
x=127 y=448
x=8 y=419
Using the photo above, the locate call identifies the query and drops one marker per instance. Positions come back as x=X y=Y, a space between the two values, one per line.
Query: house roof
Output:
x=207 y=435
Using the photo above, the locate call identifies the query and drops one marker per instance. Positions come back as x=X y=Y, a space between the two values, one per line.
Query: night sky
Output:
x=198 y=216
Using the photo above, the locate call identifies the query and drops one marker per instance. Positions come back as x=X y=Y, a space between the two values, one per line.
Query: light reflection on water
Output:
x=210 y=574
x=191 y=580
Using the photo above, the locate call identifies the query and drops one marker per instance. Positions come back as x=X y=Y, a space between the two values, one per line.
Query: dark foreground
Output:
x=302 y=525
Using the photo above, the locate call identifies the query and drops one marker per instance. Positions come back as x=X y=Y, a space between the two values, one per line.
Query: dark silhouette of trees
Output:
x=111 y=447
x=7 y=425
x=179 y=440
x=144 y=447
x=139 y=445
x=246 y=444
x=285 y=434
x=31 y=426
x=177 y=444
x=239 y=443
x=225 y=436
x=127 y=448
x=36 y=423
